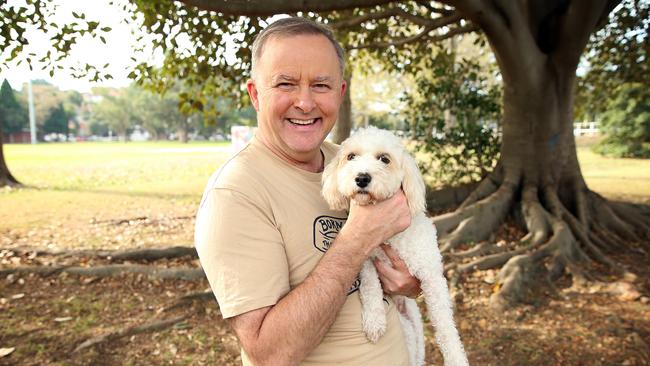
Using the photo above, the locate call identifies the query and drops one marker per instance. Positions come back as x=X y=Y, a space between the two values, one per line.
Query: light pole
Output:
x=32 y=117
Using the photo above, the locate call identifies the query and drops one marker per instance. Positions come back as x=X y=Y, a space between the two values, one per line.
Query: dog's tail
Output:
x=439 y=307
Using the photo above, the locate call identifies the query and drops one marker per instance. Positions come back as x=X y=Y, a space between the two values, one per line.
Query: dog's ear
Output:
x=413 y=184
x=330 y=189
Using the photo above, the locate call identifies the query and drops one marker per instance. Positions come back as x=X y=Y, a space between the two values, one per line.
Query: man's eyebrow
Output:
x=283 y=77
x=319 y=79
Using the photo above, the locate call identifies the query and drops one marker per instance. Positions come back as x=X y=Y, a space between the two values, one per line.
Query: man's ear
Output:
x=344 y=87
x=252 y=93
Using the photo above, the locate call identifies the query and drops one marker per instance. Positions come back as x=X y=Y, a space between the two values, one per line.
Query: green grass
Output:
x=76 y=182
x=627 y=179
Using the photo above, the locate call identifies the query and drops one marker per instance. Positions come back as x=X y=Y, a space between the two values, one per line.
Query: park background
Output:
x=96 y=257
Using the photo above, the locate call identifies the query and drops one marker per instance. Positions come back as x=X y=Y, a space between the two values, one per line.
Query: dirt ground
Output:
x=43 y=319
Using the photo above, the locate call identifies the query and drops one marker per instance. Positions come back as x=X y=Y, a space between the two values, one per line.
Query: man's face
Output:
x=297 y=91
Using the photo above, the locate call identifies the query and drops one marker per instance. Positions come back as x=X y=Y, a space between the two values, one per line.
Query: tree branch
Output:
x=438 y=22
x=423 y=35
x=580 y=21
x=272 y=7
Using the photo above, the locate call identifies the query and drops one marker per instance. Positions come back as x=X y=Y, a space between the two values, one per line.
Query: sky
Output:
x=117 y=51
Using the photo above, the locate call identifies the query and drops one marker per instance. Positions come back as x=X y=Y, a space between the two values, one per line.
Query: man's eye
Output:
x=351 y=156
x=321 y=86
x=384 y=159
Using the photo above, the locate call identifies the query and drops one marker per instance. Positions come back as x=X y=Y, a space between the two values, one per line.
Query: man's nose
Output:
x=305 y=101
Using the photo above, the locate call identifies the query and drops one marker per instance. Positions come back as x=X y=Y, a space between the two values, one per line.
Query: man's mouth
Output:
x=303 y=122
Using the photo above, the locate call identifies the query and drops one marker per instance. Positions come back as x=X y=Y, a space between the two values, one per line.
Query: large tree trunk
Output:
x=538 y=176
x=6 y=179
x=343 y=126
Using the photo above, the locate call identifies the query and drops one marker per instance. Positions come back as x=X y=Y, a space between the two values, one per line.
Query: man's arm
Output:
x=285 y=333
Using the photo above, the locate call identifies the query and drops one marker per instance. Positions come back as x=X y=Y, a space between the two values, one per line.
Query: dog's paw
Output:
x=374 y=328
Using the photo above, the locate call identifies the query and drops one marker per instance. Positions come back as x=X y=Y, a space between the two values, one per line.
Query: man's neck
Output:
x=313 y=164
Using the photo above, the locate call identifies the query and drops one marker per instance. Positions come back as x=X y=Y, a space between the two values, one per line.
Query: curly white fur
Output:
x=371 y=166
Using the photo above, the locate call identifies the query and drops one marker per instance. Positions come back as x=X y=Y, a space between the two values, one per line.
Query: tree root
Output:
x=147 y=254
x=152 y=326
x=476 y=222
x=194 y=296
x=188 y=274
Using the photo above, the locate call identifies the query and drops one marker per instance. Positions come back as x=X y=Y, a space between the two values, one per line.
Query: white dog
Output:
x=370 y=167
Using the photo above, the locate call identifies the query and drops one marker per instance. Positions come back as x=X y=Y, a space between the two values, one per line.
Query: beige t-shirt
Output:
x=261 y=229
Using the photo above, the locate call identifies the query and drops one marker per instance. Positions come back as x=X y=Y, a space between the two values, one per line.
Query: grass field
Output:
x=74 y=184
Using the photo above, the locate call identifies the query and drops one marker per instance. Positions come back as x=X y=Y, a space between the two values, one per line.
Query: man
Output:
x=282 y=265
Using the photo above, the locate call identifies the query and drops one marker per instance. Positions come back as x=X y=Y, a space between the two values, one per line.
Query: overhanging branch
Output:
x=395 y=12
x=272 y=7
x=421 y=36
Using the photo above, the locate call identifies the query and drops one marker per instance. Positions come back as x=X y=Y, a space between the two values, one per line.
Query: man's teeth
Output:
x=302 y=121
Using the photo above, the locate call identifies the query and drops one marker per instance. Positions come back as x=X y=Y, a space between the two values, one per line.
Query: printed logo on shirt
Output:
x=325 y=230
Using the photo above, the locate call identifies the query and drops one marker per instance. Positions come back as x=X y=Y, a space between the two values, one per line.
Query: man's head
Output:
x=296 y=89
x=292 y=27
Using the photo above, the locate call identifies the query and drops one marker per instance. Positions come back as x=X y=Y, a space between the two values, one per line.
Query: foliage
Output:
x=13 y=116
x=117 y=111
x=618 y=53
x=17 y=19
x=57 y=121
x=454 y=117
x=626 y=123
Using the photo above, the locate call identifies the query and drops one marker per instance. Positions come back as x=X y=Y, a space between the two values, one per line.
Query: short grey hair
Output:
x=294 y=26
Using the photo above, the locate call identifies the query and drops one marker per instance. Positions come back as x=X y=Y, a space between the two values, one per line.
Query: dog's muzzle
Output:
x=363 y=180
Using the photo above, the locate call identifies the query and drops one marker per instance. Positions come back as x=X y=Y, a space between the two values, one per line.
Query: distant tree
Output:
x=118 y=110
x=626 y=123
x=618 y=53
x=14 y=115
x=57 y=121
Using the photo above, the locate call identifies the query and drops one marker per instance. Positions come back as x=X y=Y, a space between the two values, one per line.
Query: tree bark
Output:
x=343 y=126
x=6 y=178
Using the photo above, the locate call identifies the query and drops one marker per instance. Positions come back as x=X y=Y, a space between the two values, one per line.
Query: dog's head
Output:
x=371 y=166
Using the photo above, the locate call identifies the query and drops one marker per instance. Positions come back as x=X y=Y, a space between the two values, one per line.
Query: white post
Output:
x=32 y=117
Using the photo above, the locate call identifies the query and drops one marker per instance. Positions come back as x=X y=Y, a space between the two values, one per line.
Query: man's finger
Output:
x=383 y=269
x=395 y=260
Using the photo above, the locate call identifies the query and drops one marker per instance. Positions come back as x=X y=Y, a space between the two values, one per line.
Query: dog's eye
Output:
x=351 y=156
x=383 y=158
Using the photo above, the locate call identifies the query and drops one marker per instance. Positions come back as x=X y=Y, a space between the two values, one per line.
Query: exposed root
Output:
x=194 y=296
x=522 y=272
x=536 y=218
x=153 y=326
x=485 y=248
x=476 y=222
x=148 y=254
x=188 y=274
x=634 y=216
x=608 y=218
x=487 y=186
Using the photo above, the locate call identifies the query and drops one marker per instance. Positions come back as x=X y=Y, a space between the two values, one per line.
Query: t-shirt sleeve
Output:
x=241 y=252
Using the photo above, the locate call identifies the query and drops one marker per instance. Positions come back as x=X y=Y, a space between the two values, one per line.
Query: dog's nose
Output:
x=363 y=180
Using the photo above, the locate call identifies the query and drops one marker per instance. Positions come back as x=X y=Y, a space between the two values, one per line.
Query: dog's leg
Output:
x=371 y=294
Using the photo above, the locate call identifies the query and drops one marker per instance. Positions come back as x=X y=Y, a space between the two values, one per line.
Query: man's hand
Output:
x=370 y=225
x=396 y=278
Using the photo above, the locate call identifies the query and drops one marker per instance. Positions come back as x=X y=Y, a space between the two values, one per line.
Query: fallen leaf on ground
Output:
x=6 y=351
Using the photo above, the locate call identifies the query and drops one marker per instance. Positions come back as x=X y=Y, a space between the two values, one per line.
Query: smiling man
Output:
x=282 y=265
